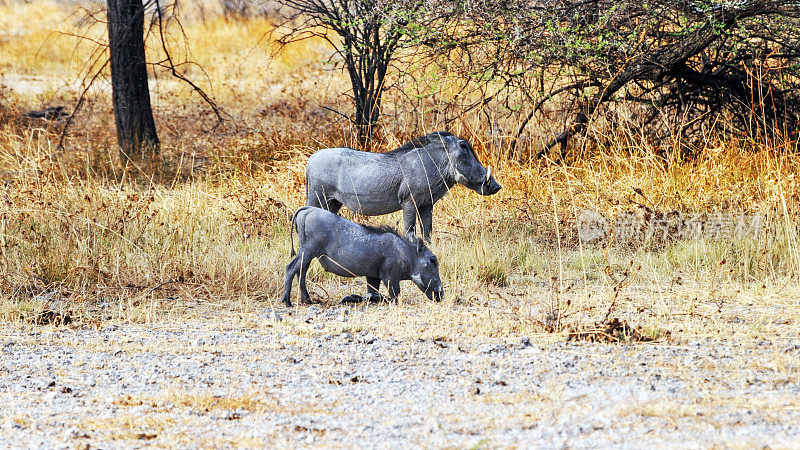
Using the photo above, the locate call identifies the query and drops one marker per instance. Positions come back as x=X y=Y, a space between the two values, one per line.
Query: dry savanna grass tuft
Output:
x=203 y=227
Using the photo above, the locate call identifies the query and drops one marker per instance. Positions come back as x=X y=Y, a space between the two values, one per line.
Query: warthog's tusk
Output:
x=489 y=174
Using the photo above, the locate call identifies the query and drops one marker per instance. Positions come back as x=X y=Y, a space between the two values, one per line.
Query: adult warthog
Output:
x=412 y=178
x=352 y=250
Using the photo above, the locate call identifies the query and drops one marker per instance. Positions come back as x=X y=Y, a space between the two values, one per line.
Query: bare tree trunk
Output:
x=367 y=67
x=136 y=129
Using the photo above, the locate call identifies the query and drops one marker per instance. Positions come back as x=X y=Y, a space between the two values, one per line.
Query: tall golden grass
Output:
x=206 y=222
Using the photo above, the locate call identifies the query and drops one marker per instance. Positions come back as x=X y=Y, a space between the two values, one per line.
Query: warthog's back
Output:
x=367 y=183
x=347 y=249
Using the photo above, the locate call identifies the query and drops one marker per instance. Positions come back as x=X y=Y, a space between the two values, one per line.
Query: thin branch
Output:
x=175 y=73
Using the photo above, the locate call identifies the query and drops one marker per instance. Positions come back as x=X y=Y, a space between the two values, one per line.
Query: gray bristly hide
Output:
x=348 y=249
x=412 y=178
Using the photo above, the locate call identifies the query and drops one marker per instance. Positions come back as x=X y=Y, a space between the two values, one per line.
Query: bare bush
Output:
x=679 y=64
x=366 y=35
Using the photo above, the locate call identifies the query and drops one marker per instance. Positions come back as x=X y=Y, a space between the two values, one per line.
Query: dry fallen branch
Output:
x=615 y=330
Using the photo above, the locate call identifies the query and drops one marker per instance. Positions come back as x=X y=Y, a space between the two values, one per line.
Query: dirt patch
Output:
x=198 y=385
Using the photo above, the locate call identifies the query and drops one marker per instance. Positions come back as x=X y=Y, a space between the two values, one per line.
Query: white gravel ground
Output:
x=194 y=386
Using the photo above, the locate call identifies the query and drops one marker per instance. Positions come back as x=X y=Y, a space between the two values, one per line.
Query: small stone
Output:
x=433 y=424
x=271 y=314
x=75 y=433
x=46 y=297
x=490 y=348
x=232 y=415
x=310 y=439
x=312 y=311
x=525 y=342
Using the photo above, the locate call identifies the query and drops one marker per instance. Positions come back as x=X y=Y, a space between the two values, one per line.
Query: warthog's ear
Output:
x=412 y=237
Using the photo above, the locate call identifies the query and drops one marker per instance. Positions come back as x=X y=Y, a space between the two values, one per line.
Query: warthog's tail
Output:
x=292 y=227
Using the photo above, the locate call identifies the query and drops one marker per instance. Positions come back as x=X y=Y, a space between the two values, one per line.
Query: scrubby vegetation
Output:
x=205 y=222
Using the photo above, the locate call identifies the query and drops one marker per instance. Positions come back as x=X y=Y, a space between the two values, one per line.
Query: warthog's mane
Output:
x=382 y=229
x=421 y=142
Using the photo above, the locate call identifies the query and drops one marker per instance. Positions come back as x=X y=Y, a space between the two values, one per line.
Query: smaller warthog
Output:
x=352 y=250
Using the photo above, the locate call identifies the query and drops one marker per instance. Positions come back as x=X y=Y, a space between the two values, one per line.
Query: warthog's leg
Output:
x=304 y=263
x=426 y=219
x=394 y=288
x=315 y=198
x=333 y=205
x=409 y=217
x=291 y=270
x=319 y=199
x=373 y=286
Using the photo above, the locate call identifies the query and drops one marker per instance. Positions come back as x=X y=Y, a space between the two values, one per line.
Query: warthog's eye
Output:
x=435 y=262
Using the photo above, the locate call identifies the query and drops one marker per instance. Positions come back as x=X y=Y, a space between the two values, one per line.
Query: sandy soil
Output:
x=200 y=384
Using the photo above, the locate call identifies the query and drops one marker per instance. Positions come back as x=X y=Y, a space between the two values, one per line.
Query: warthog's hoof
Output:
x=353 y=298
x=310 y=301
x=377 y=298
x=372 y=298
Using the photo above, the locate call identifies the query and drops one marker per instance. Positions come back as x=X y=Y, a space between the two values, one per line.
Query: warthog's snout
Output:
x=435 y=294
x=489 y=187
x=432 y=289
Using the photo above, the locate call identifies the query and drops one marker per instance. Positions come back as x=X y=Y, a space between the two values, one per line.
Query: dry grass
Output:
x=204 y=228
x=710 y=408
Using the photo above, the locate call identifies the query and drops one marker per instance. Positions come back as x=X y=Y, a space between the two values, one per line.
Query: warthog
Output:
x=352 y=250
x=412 y=178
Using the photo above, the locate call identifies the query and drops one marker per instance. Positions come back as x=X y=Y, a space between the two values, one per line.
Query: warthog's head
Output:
x=468 y=171
x=425 y=270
